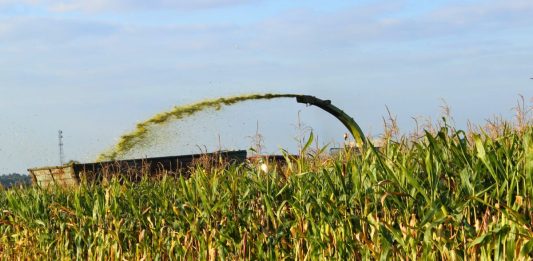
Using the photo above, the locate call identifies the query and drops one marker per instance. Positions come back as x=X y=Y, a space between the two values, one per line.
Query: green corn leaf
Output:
x=308 y=143
x=527 y=249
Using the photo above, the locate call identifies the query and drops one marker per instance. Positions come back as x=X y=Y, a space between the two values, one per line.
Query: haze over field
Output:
x=96 y=68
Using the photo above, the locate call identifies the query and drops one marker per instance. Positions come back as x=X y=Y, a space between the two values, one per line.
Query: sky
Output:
x=95 y=68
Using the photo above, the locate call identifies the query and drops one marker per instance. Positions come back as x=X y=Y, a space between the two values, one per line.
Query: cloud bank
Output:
x=124 y=5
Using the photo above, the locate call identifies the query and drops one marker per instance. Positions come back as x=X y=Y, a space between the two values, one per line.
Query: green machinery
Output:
x=348 y=121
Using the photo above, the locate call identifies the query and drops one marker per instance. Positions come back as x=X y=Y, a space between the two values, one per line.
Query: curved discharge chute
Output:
x=348 y=121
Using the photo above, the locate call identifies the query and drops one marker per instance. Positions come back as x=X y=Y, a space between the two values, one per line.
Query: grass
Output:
x=443 y=194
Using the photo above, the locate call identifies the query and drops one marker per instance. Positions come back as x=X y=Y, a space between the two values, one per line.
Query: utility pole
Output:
x=61 y=153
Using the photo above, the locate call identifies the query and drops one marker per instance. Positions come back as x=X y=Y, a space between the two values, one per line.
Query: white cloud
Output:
x=380 y=22
x=298 y=31
x=124 y=5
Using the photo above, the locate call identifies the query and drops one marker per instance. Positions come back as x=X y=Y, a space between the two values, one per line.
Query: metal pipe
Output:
x=348 y=121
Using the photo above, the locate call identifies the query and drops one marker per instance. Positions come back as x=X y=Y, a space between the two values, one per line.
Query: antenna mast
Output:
x=61 y=153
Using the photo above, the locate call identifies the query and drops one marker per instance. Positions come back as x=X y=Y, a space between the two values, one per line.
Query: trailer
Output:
x=131 y=169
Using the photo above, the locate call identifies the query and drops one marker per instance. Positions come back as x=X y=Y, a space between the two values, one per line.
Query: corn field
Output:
x=446 y=194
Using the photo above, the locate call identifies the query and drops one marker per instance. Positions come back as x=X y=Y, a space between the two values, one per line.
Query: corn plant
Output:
x=447 y=194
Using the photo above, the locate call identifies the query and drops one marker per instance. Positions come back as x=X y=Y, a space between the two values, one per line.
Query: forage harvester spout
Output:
x=348 y=121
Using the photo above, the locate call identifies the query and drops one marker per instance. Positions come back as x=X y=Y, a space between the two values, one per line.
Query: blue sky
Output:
x=95 y=68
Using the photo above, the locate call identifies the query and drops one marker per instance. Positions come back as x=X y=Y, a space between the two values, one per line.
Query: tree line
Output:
x=14 y=179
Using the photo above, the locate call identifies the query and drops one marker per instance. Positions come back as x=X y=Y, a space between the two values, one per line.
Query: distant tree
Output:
x=14 y=179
